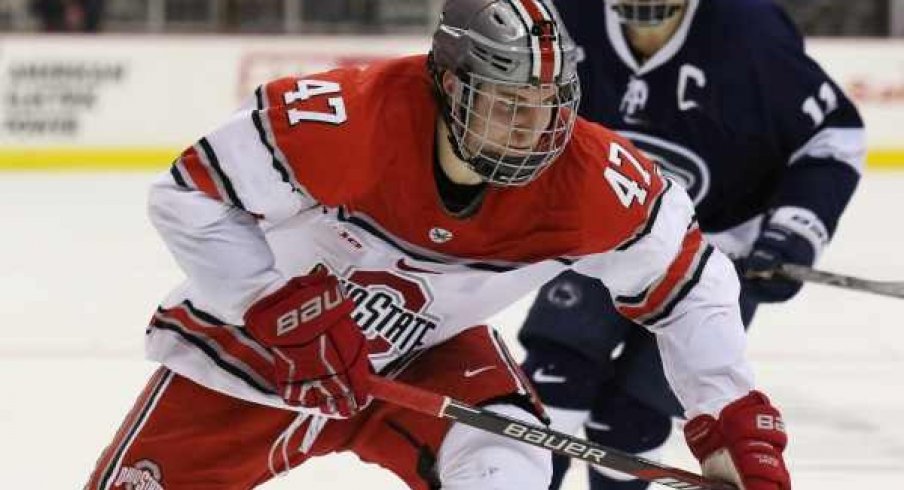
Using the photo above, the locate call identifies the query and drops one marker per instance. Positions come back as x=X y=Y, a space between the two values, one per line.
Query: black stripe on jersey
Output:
x=284 y=170
x=139 y=421
x=688 y=286
x=259 y=97
x=377 y=233
x=342 y=216
x=205 y=319
x=215 y=163
x=262 y=134
x=483 y=266
x=640 y=297
x=208 y=318
x=693 y=223
x=650 y=221
x=177 y=176
x=203 y=315
x=633 y=300
x=212 y=354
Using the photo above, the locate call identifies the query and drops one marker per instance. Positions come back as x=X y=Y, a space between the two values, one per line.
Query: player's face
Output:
x=508 y=120
x=508 y=132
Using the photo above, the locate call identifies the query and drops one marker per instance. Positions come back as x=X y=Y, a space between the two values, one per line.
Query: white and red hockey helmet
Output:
x=646 y=13
x=494 y=49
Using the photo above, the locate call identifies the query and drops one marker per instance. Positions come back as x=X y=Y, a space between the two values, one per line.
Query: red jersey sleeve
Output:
x=319 y=129
x=620 y=189
x=654 y=252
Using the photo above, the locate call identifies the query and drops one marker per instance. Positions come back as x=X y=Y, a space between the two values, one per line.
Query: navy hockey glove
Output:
x=319 y=353
x=791 y=236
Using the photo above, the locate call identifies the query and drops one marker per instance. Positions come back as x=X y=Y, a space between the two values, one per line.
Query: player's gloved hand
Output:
x=791 y=236
x=319 y=352
x=743 y=446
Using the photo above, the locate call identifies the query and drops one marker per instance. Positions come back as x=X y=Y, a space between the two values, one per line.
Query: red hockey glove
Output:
x=320 y=354
x=744 y=446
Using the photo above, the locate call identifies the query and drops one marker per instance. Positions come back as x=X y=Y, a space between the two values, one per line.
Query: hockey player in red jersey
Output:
x=369 y=220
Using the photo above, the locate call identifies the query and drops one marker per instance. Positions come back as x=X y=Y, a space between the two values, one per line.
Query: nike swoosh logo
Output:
x=541 y=377
x=470 y=373
x=405 y=267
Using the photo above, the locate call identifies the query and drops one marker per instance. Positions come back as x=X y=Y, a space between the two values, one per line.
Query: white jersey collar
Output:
x=665 y=53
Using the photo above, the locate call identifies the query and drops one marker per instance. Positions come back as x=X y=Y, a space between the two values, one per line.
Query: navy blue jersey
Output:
x=731 y=107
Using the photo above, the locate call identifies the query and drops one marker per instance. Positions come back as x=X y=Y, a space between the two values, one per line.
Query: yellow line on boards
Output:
x=75 y=159
x=885 y=159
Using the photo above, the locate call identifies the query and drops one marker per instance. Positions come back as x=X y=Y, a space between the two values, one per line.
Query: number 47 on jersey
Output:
x=310 y=88
x=626 y=188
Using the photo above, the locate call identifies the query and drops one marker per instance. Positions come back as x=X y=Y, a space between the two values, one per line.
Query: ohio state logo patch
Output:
x=143 y=475
x=391 y=309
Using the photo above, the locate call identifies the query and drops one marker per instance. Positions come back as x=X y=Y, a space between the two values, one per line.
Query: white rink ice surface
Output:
x=81 y=271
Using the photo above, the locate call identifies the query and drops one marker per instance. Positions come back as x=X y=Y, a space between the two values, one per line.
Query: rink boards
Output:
x=114 y=101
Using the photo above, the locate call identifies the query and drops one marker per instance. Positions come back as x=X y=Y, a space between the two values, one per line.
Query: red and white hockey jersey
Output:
x=337 y=169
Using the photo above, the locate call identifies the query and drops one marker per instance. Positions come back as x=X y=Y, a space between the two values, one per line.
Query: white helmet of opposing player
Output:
x=506 y=71
x=645 y=13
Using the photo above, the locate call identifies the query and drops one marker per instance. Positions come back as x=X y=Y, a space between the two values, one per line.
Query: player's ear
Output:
x=449 y=82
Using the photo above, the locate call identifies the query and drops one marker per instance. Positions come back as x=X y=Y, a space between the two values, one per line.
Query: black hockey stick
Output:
x=437 y=405
x=807 y=274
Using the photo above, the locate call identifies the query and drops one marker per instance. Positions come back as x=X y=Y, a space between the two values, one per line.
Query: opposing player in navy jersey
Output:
x=721 y=94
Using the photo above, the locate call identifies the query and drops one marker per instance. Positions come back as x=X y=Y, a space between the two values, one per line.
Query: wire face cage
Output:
x=510 y=132
x=646 y=13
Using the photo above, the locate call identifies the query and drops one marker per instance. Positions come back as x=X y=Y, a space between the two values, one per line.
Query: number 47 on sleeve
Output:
x=312 y=88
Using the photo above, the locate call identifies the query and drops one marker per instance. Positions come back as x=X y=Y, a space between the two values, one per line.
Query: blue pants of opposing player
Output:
x=582 y=355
